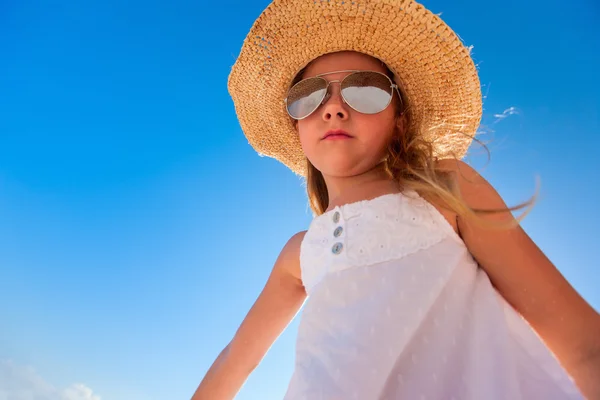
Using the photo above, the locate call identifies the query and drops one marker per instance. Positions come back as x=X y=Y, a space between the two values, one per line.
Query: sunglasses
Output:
x=367 y=92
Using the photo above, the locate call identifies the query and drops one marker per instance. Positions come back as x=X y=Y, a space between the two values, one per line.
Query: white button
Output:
x=336 y=217
x=337 y=248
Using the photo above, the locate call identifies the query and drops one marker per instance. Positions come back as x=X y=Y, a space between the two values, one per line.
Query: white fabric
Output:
x=404 y=312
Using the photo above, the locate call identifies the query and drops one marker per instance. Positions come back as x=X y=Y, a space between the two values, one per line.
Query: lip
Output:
x=336 y=134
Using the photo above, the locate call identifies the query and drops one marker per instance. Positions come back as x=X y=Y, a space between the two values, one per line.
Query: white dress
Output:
x=398 y=309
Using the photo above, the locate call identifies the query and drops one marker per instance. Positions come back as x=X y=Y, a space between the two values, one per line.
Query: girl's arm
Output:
x=274 y=308
x=529 y=281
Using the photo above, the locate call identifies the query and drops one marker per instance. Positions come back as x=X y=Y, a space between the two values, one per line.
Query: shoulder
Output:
x=451 y=165
x=289 y=257
x=475 y=190
x=292 y=246
x=462 y=172
x=476 y=193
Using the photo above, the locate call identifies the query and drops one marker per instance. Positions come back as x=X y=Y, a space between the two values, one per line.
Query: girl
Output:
x=420 y=283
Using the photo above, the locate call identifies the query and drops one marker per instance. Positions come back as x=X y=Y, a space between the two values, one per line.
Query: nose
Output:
x=334 y=106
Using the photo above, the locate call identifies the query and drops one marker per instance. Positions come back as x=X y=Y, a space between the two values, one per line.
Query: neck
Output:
x=349 y=189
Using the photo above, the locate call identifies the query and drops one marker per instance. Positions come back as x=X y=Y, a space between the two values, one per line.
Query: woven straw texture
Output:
x=431 y=65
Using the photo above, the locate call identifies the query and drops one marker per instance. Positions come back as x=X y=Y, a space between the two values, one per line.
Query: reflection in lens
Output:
x=304 y=97
x=367 y=92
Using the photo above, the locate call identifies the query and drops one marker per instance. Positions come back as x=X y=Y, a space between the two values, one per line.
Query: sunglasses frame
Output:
x=340 y=81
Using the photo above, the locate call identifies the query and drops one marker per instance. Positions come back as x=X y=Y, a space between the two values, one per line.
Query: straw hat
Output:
x=431 y=65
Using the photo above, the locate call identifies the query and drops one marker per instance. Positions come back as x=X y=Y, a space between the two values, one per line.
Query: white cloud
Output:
x=79 y=391
x=24 y=383
x=506 y=113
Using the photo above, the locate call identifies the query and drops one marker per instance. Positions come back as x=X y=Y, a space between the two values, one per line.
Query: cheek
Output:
x=390 y=124
x=306 y=132
x=380 y=130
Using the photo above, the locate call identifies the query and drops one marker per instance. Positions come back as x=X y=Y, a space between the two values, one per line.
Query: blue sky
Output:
x=137 y=226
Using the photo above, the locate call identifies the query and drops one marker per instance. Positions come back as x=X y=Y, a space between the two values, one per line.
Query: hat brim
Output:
x=432 y=66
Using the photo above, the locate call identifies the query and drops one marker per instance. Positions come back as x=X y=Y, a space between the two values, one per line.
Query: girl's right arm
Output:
x=273 y=310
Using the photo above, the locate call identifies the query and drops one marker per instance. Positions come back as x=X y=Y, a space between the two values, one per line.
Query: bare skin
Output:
x=352 y=170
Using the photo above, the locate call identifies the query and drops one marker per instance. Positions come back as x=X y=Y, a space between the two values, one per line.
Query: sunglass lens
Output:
x=305 y=97
x=367 y=92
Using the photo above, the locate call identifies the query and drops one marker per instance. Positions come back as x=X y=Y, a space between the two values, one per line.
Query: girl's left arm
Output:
x=529 y=281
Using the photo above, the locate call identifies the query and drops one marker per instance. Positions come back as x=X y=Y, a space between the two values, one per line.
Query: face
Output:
x=368 y=135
